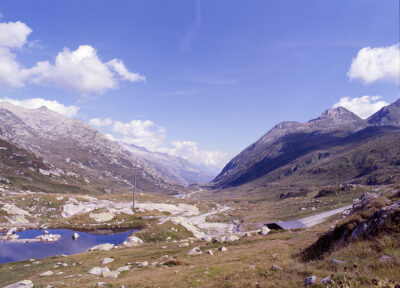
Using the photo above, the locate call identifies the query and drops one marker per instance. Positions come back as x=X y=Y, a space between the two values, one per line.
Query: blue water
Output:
x=12 y=252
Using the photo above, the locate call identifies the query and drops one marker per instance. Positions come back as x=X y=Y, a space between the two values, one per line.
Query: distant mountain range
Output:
x=73 y=148
x=174 y=168
x=41 y=150
x=336 y=147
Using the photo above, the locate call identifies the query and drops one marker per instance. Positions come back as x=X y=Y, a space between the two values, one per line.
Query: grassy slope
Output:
x=21 y=168
x=230 y=269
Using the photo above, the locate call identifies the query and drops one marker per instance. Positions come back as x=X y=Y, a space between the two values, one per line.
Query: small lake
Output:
x=12 y=252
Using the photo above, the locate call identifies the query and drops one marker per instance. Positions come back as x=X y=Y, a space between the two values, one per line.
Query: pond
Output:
x=12 y=252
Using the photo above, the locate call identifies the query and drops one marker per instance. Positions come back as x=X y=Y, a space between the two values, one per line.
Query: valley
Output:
x=326 y=177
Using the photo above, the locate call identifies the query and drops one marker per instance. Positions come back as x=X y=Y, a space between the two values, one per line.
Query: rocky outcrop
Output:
x=21 y=284
x=102 y=247
x=195 y=251
x=383 y=221
x=131 y=241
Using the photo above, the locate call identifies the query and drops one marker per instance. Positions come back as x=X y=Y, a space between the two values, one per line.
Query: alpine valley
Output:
x=315 y=203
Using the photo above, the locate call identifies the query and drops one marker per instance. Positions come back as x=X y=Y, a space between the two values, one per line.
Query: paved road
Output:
x=201 y=218
x=319 y=218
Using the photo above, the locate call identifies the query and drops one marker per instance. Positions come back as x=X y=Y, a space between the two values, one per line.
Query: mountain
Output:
x=77 y=149
x=388 y=115
x=286 y=142
x=22 y=170
x=174 y=168
x=317 y=152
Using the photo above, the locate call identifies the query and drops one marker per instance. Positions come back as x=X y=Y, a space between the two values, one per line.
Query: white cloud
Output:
x=150 y=136
x=190 y=151
x=140 y=133
x=373 y=64
x=34 y=103
x=80 y=70
x=110 y=137
x=120 y=68
x=97 y=122
x=363 y=106
x=13 y=35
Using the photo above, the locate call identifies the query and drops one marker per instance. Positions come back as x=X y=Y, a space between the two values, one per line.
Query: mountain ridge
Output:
x=290 y=140
x=72 y=145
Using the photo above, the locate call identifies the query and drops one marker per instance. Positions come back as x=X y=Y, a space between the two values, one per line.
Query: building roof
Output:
x=286 y=225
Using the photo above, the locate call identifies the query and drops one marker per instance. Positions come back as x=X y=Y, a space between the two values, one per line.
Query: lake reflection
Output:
x=11 y=252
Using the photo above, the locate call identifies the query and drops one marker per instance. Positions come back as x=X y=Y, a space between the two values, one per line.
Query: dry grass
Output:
x=247 y=263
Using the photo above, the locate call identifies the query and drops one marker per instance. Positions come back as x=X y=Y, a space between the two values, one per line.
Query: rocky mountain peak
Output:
x=388 y=115
x=337 y=119
x=338 y=112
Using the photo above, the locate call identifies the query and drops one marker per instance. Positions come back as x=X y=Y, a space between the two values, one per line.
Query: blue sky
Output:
x=212 y=76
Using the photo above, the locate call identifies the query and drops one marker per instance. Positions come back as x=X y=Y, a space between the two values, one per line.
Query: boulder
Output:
x=310 y=280
x=75 y=236
x=111 y=274
x=182 y=245
x=124 y=268
x=222 y=249
x=275 y=268
x=265 y=230
x=132 y=241
x=21 y=284
x=98 y=270
x=210 y=252
x=102 y=247
x=231 y=238
x=11 y=231
x=143 y=264
x=106 y=261
x=326 y=280
x=335 y=262
x=47 y=273
x=48 y=237
x=195 y=251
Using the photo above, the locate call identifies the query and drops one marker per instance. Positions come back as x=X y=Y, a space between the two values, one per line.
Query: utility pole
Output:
x=134 y=188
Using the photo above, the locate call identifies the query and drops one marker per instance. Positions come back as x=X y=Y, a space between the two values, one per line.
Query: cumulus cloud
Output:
x=141 y=133
x=363 y=106
x=13 y=35
x=79 y=70
x=373 y=64
x=120 y=68
x=97 y=122
x=150 y=136
x=34 y=103
x=82 y=71
x=190 y=151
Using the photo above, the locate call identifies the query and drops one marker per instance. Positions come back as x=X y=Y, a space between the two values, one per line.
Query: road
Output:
x=319 y=218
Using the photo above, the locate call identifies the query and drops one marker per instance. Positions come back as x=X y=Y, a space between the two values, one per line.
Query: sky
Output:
x=200 y=79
